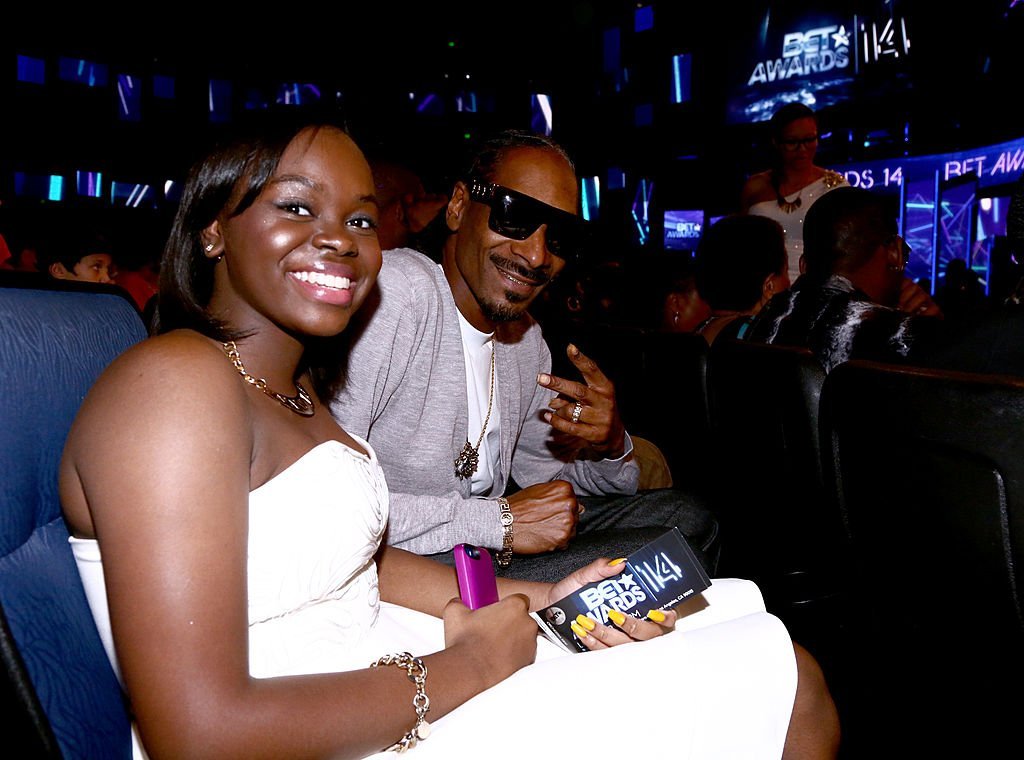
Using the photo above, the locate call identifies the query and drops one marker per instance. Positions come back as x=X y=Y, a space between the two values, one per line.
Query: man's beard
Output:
x=514 y=304
x=509 y=310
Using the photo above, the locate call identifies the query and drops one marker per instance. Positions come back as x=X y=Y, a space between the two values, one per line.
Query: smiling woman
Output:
x=229 y=533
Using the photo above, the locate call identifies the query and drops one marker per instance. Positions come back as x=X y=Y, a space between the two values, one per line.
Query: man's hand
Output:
x=545 y=517
x=590 y=411
x=915 y=300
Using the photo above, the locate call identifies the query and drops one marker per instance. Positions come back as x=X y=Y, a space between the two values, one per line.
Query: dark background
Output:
x=366 y=60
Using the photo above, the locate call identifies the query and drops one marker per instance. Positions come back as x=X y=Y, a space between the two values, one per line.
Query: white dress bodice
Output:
x=793 y=221
x=723 y=683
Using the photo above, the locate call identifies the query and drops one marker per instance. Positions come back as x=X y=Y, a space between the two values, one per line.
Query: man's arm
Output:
x=432 y=524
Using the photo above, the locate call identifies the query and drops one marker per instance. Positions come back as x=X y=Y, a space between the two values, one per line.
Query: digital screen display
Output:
x=683 y=228
x=818 y=57
x=919 y=181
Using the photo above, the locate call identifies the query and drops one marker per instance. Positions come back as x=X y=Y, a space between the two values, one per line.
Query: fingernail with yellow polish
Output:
x=586 y=622
x=656 y=615
x=615 y=562
x=578 y=630
x=616 y=617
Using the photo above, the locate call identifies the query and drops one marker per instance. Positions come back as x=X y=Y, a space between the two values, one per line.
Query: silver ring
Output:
x=576 y=412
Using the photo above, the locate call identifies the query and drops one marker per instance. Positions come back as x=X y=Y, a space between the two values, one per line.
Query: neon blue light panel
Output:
x=89 y=184
x=163 y=87
x=82 y=71
x=616 y=178
x=129 y=98
x=641 y=211
x=132 y=195
x=590 y=197
x=430 y=104
x=682 y=87
x=297 y=94
x=540 y=114
x=31 y=70
x=219 y=101
x=56 y=188
x=643 y=18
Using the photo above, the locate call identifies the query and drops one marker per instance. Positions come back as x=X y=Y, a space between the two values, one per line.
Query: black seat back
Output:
x=778 y=527
x=927 y=468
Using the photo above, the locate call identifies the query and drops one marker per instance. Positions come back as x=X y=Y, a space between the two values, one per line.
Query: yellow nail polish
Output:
x=615 y=562
x=616 y=617
x=656 y=615
x=578 y=630
x=586 y=622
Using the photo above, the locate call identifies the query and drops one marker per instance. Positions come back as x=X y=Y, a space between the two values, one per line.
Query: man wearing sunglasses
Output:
x=449 y=379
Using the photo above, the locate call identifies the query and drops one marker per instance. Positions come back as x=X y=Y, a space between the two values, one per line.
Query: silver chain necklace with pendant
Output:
x=468 y=460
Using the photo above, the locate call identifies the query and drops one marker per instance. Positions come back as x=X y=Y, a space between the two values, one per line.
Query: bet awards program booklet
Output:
x=659 y=575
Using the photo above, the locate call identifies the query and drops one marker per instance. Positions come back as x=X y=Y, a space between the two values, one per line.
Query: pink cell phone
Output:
x=477 y=584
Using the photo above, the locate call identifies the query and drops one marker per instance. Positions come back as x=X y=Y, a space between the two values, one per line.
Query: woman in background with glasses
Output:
x=787 y=190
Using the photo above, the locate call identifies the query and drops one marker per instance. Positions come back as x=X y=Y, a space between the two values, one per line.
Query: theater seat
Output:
x=659 y=379
x=927 y=467
x=778 y=527
x=60 y=695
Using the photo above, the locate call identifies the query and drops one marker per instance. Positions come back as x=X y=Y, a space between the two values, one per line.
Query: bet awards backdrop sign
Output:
x=818 y=57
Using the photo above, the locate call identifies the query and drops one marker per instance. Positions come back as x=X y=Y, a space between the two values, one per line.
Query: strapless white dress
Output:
x=720 y=686
x=793 y=221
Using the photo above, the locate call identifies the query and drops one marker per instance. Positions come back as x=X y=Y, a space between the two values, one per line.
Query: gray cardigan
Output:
x=405 y=392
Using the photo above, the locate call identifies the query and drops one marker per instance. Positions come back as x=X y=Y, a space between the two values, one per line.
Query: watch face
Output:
x=506 y=518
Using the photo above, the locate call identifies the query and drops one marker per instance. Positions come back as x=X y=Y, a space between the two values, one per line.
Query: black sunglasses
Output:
x=517 y=216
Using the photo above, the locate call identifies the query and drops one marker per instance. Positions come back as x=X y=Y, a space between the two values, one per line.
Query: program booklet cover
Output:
x=659 y=575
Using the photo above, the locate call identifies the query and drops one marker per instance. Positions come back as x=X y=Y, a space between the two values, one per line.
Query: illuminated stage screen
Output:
x=951 y=205
x=818 y=57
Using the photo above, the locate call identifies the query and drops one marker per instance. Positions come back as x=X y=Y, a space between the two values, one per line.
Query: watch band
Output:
x=504 y=556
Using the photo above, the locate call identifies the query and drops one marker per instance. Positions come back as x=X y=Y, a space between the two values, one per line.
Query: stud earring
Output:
x=209 y=247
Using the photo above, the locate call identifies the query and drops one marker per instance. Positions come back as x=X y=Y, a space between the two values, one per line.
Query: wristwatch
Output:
x=504 y=556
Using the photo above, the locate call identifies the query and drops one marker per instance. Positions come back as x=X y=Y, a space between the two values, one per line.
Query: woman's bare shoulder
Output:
x=757 y=188
x=170 y=377
x=181 y=356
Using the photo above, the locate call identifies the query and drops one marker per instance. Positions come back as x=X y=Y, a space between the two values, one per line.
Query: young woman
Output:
x=795 y=182
x=234 y=531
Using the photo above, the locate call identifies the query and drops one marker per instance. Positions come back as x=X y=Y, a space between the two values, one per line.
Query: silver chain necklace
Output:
x=300 y=403
x=468 y=460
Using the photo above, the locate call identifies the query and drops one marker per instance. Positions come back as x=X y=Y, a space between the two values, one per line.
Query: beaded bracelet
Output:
x=417 y=673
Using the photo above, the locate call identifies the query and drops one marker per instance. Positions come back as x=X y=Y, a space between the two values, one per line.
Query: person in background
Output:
x=740 y=266
x=228 y=532
x=406 y=208
x=85 y=260
x=787 y=190
x=683 y=308
x=854 y=300
x=507 y=455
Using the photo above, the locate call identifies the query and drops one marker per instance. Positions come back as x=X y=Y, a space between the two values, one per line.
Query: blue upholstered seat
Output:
x=54 y=343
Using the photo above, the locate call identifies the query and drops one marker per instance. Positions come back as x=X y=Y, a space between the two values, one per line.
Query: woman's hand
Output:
x=621 y=628
x=501 y=637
